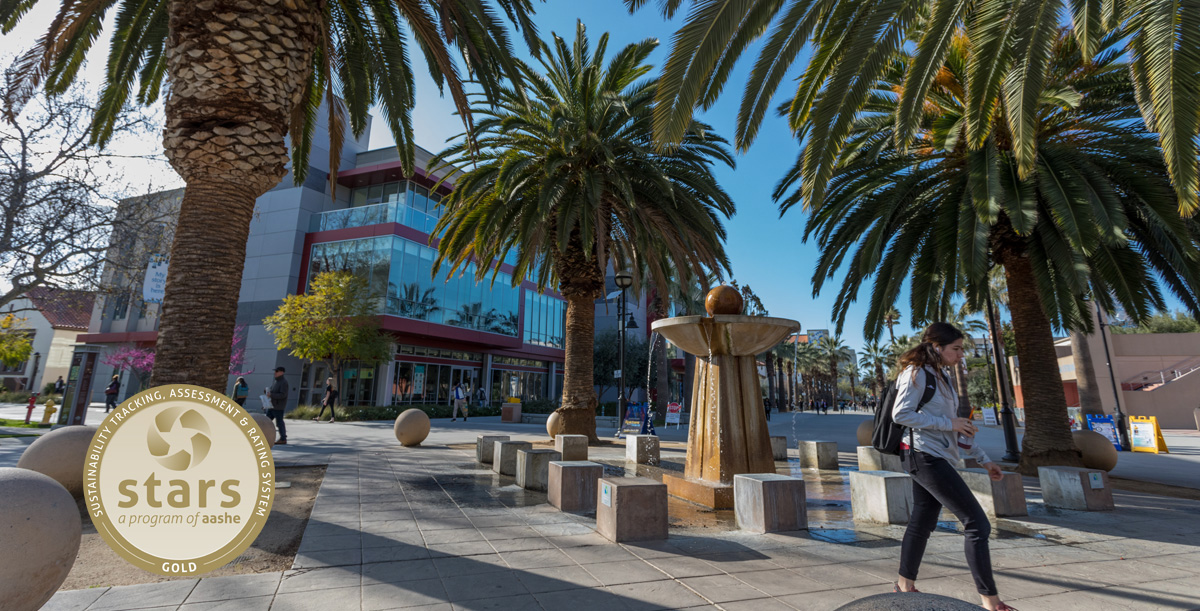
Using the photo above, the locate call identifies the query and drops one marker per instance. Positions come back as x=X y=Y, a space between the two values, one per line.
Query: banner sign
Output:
x=632 y=423
x=674 y=410
x=1146 y=436
x=1075 y=416
x=154 y=286
x=989 y=415
x=1105 y=426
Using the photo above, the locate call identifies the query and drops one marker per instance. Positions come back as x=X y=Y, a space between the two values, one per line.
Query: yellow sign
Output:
x=1145 y=436
x=179 y=480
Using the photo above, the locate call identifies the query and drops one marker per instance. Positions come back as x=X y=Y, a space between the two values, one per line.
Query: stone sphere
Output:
x=41 y=530
x=723 y=300
x=267 y=426
x=908 y=601
x=865 y=429
x=554 y=425
x=60 y=455
x=1098 y=451
x=412 y=427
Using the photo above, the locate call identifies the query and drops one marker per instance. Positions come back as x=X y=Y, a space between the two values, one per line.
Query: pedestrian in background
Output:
x=460 y=402
x=110 y=393
x=278 y=392
x=241 y=390
x=59 y=386
x=329 y=400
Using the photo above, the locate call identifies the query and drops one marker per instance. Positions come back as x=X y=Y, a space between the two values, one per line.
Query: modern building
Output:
x=53 y=318
x=376 y=223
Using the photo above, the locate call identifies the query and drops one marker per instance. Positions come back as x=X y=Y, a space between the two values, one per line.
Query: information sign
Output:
x=989 y=415
x=154 y=286
x=1146 y=436
x=1105 y=426
x=674 y=410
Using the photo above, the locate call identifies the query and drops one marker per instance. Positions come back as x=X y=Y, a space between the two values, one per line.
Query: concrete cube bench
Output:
x=768 y=502
x=870 y=459
x=642 y=449
x=571 y=485
x=631 y=509
x=533 y=468
x=1002 y=499
x=572 y=447
x=484 y=445
x=504 y=456
x=818 y=454
x=881 y=496
x=1076 y=488
x=779 y=447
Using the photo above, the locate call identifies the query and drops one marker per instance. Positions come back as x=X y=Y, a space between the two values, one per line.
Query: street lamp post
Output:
x=624 y=280
x=1007 y=418
x=37 y=357
x=1122 y=430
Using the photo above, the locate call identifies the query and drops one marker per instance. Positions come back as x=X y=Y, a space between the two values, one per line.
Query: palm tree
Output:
x=854 y=41
x=891 y=319
x=873 y=358
x=1097 y=217
x=568 y=178
x=412 y=301
x=835 y=351
x=239 y=76
x=809 y=360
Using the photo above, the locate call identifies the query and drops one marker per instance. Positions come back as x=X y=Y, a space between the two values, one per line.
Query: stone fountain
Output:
x=727 y=434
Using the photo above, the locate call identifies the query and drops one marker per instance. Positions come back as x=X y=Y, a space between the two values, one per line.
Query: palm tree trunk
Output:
x=237 y=70
x=781 y=387
x=661 y=364
x=791 y=377
x=964 y=400
x=1047 y=438
x=769 y=358
x=581 y=280
x=1085 y=371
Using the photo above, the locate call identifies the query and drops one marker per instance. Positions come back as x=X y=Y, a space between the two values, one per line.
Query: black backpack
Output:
x=886 y=435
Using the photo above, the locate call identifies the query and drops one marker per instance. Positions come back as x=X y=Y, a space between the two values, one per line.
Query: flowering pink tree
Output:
x=140 y=361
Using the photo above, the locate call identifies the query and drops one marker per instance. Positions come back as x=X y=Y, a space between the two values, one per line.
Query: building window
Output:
x=120 y=306
x=544 y=320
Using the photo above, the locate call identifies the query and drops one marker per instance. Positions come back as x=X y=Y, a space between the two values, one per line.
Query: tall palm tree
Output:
x=891 y=319
x=568 y=178
x=1096 y=217
x=835 y=351
x=239 y=77
x=852 y=42
x=874 y=357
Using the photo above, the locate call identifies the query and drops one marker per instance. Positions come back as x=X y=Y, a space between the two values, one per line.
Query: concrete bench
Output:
x=642 y=449
x=779 y=447
x=510 y=412
x=1002 y=499
x=870 y=459
x=484 y=444
x=1076 y=488
x=571 y=485
x=768 y=502
x=504 y=456
x=572 y=447
x=533 y=468
x=881 y=496
x=631 y=509
x=818 y=454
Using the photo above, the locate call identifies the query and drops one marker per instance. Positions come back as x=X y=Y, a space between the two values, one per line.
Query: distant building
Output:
x=55 y=318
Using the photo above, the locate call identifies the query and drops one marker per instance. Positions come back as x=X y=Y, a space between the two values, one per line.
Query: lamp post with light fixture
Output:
x=624 y=280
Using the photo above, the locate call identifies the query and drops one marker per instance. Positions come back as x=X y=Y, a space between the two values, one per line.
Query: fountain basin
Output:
x=725 y=334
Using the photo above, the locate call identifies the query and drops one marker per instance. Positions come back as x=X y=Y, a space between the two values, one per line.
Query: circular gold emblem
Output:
x=179 y=480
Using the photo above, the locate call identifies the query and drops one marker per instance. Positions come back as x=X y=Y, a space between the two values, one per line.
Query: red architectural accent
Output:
x=130 y=337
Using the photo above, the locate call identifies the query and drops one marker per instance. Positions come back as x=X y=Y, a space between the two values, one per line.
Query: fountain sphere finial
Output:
x=723 y=300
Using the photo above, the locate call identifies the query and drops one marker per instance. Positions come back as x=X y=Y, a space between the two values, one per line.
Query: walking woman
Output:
x=110 y=393
x=241 y=390
x=930 y=452
x=329 y=400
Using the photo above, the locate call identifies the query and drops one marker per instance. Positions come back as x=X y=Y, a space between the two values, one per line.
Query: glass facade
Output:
x=431 y=382
x=544 y=320
x=399 y=272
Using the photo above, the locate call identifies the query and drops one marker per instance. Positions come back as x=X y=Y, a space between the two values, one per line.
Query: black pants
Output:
x=936 y=484
x=277 y=416
x=110 y=402
x=322 y=412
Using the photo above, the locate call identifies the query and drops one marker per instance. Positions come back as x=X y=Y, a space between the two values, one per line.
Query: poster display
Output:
x=1075 y=416
x=631 y=424
x=989 y=416
x=1105 y=426
x=154 y=285
x=1146 y=436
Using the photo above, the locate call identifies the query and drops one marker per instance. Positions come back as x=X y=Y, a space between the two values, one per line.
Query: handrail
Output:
x=1151 y=380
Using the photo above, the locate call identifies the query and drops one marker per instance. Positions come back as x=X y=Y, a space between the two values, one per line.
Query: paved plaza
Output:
x=428 y=528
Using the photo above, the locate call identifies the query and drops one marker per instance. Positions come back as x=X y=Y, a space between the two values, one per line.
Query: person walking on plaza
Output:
x=59 y=386
x=241 y=390
x=278 y=392
x=931 y=445
x=460 y=402
x=329 y=400
x=480 y=396
x=110 y=393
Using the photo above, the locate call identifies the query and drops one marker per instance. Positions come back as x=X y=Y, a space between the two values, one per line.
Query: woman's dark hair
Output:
x=925 y=353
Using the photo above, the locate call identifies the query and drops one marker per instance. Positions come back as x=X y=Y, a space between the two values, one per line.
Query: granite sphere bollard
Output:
x=40 y=533
x=1098 y=450
x=412 y=427
x=267 y=426
x=866 y=428
x=59 y=455
x=554 y=425
x=908 y=601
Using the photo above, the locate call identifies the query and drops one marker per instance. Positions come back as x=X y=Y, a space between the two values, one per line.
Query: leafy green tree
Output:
x=245 y=79
x=1096 y=218
x=334 y=321
x=16 y=342
x=569 y=179
x=851 y=44
x=1162 y=322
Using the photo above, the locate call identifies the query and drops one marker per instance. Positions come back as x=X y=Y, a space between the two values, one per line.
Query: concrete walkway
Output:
x=427 y=528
